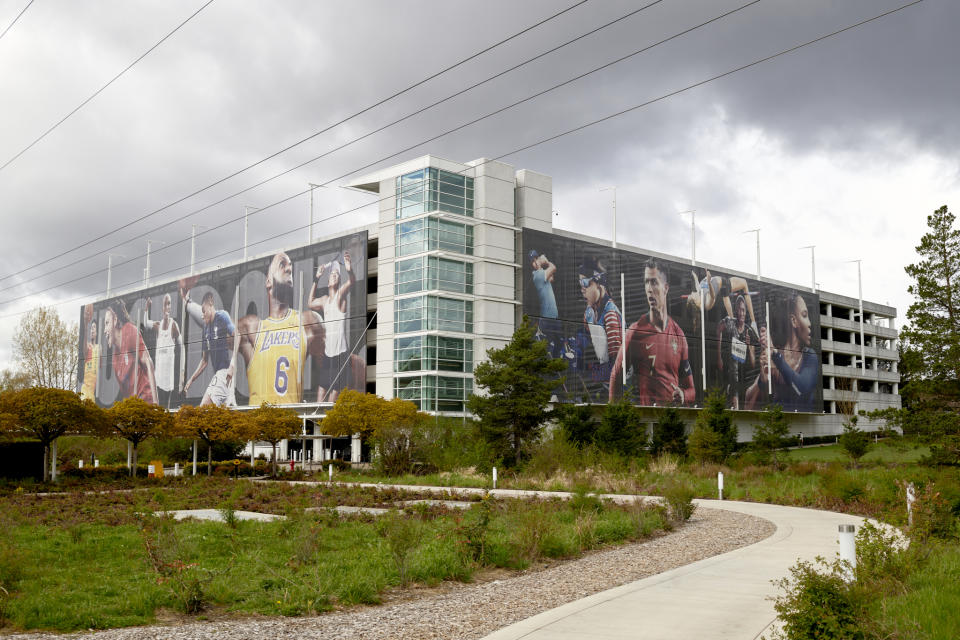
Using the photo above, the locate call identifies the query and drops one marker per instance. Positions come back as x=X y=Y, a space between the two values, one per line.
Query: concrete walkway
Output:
x=722 y=597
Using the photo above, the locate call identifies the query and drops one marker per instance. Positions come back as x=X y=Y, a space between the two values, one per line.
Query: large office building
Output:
x=460 y=253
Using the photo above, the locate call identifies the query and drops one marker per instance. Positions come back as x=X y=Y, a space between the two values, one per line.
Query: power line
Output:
x=10 y=26
x=404 y=150
x=289 y=147
x=101 y=89
x=533 y=144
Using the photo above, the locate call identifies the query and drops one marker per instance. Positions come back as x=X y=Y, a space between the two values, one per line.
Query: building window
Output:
x=433 y=189
x=432 y=353
x=432 y=313
x=434 y=393
x=432 y=272
x=431 y=234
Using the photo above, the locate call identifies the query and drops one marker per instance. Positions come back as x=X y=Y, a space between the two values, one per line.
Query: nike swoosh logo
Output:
x=648 y=346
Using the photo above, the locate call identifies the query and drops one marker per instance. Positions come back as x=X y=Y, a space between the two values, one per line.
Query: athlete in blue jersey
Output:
x=217 y=351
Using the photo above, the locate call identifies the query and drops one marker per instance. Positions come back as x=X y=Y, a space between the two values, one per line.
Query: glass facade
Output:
x=434 y=393
x=431 y=272
x=432 y=353
x=433 y=189
x=432 y=313
x=431 y=234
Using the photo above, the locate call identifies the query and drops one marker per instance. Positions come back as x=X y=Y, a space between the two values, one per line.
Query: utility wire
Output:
x=101 y=89
x=289 y=147
x=533 y=144
x=10 y=26
x=397 y=153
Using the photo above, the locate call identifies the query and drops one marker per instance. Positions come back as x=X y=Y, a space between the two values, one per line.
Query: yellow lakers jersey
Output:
x=90 y=364
x=279 y=352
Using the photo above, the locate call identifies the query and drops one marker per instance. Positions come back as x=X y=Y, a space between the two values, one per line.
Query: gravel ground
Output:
x=468 y=611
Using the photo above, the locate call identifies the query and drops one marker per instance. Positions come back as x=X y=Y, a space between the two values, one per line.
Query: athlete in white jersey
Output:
x=168 y=339
x=333 y=307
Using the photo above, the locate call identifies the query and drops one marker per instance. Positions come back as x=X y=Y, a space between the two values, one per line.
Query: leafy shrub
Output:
x=853 y=441
x=582 y=500
x=844 y=486
x=819 y=604
x=933 y=516
x=669 y=434
x=679 y=498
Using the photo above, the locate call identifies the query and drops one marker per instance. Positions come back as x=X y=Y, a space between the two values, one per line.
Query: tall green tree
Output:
x=714 y=435
x=669 y=434
x=621 y=430
x=932 y=335
x=770 y=434
x=518 y=380
x=576 y=423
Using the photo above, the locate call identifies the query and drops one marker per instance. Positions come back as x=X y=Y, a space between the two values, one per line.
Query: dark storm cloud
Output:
x=243 y=80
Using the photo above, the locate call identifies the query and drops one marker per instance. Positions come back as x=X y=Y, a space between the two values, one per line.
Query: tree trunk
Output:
x=209 y=459
x=274 y=459
x=46 y=462
x=133 y=467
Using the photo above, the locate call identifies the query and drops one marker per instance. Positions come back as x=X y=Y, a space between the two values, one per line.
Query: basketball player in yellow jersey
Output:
x=91 y=362
x=276 y=347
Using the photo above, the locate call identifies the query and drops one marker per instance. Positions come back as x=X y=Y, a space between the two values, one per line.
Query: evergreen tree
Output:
x=669 y=434
x=932 y=335
x=770 y=435
x=621 y=429
x=576 y=423
x=519 y=379
x=714 y=431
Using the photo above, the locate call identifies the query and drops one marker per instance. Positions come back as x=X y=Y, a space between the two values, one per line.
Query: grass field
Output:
x=882 y=452
x=98 y=561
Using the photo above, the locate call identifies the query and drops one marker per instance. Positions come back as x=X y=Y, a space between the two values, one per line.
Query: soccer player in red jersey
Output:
x=655 y=349
x=131 y=360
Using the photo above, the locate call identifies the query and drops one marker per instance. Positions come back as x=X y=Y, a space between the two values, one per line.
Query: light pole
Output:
x=756 y=231
x=693 y=234
x=614 y=189
x=863 y=350
x=146 y=270
x=110 y=258
x=246 y=226
x=813 y=267
x=193 y=246
x=310 y=230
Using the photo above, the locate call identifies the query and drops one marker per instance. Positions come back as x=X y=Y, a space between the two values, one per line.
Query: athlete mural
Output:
x=647 y=341
x=288 y=328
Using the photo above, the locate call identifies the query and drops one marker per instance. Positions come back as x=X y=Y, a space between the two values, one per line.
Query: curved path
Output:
x=726 y=596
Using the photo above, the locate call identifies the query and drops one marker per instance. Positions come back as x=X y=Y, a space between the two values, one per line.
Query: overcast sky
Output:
x=847 y=144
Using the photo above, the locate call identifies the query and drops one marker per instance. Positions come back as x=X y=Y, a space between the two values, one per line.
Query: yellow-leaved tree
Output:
x=46 y=414
x=392 y=426
x=211 y=424
x=272 y=424
x=135 y=420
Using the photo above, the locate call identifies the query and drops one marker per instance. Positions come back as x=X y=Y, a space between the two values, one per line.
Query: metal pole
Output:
x=146 y=271
x=109 y=272
x=310 y=231
x=769 y=359
x=193 y=262
x=623 y=330
x=863 y=346
x=614 y=189
x=693 y=234
x=703 y=336
x=813 y=267
x=756 y=231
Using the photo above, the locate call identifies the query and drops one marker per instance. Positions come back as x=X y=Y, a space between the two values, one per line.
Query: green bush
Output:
x=679 y=498
x=819 y=603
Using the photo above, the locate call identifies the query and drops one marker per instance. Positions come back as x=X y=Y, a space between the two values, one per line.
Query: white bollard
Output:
x=330 y=473
x=494 y=477
x=194 y=457
x=848 y=548
x=911 y=498
x=80 y=464
x=96 y=463
x=176 y=469
x=720 y=484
